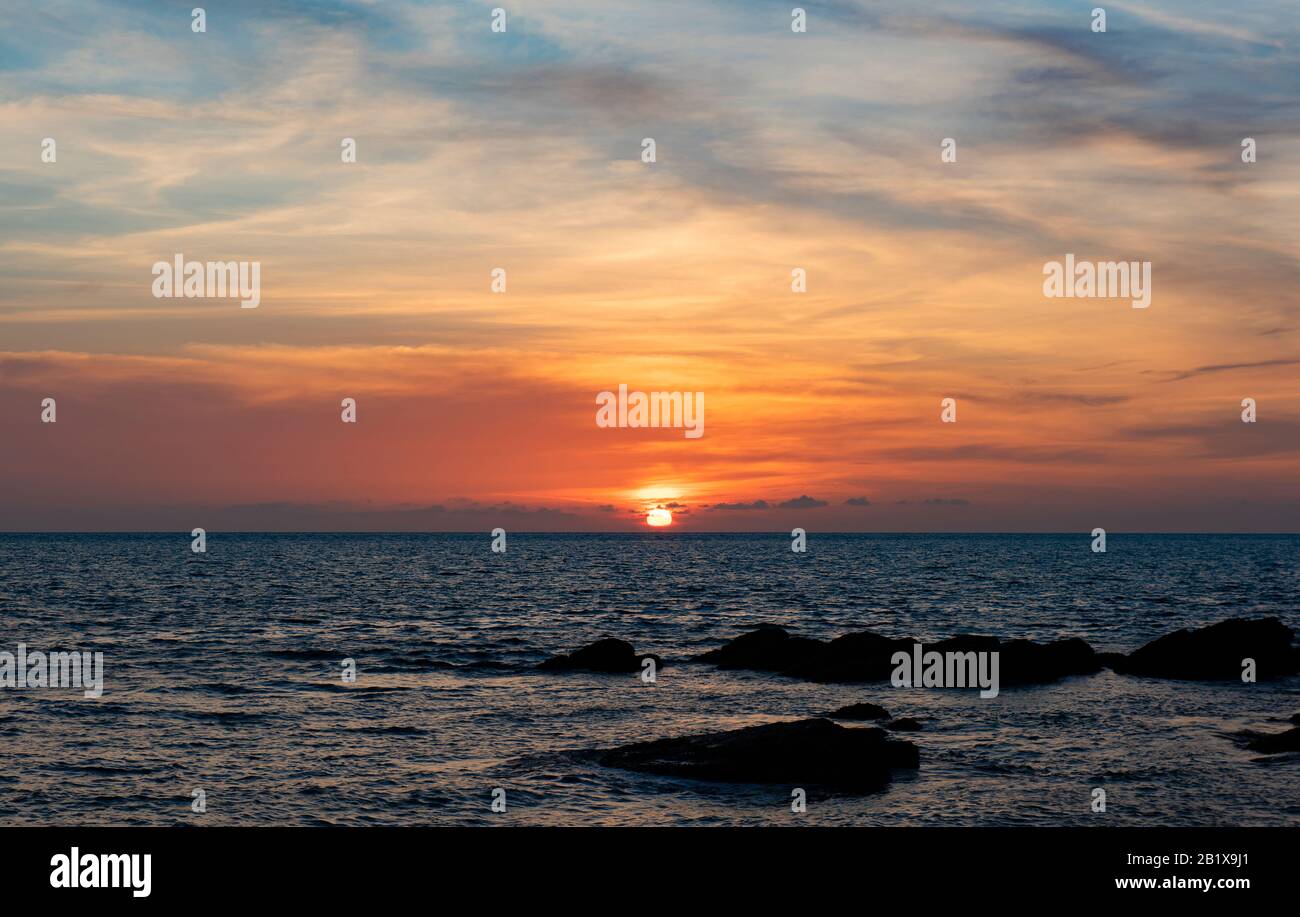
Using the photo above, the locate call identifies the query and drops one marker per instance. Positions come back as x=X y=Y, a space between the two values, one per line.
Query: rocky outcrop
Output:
x=799 y=753
x=903 y=724
x=1269 y=743
x=857 y=657
x=1216 y=652
x=607 y=655
x=1274 y=743
x=1206 y=653
x=868 y=656
x=767 y=649
x=1024 y=662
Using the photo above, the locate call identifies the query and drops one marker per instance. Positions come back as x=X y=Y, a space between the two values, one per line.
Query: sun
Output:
x=659 y=517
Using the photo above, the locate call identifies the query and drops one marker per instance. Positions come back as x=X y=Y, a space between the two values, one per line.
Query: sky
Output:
x=774 y=150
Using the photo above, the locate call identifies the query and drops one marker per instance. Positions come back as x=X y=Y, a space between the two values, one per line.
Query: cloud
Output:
x=1224 y=436
x=857 y=501
x=1091 y=401
x=994 y=452
x=803 y=502
x=1230 y=367
x=463 y=516
x=522 y=150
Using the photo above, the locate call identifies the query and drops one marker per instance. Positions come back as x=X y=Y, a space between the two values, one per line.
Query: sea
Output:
x=226 y=699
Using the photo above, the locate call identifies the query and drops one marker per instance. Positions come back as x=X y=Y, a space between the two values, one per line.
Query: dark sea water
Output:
x=223 y=672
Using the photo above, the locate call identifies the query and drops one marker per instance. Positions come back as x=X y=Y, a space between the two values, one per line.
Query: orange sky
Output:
x=775 y=151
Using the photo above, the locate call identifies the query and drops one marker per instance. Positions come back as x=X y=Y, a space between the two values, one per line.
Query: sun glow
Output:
x=659 y=517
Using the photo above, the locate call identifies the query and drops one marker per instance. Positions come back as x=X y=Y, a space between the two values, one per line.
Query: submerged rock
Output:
x=860 y=712
x=607 y=655
x=798 y=753
x=1216 y=652
x=903 y=724
x=866 y=656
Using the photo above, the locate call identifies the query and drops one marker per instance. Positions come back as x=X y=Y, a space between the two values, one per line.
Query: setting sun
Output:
x=659 y=517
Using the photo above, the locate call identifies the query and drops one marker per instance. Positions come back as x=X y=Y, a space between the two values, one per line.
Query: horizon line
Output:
x=647 y=531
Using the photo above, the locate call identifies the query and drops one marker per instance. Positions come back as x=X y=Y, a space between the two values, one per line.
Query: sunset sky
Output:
x=775 y=151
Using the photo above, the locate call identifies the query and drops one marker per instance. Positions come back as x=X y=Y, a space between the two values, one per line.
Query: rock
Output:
x=1276 y=742
x=1216 y=652
x=607 y=655
x=868 y=657
x=850 y=658
x=903 y=724
x=1111 y=660
x=860 y=712
x=798 y=753
x=768 y=649
x=1024 y=662
x=1295 y=718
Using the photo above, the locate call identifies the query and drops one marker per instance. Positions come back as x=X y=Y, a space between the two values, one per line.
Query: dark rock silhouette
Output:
x=860 y=712
x=1273 y=743
x=1111 y=660
x=1295 y=718
x=857 y=657
x=799 y=753
x=1216 y=652
x=903 y=724
x=868 y=656
x=1024 y=662
x=1210 y=652
x=767 y=649
x=607 y=655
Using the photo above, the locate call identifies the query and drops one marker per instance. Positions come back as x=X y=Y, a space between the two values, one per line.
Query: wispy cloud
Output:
x=775 y=151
